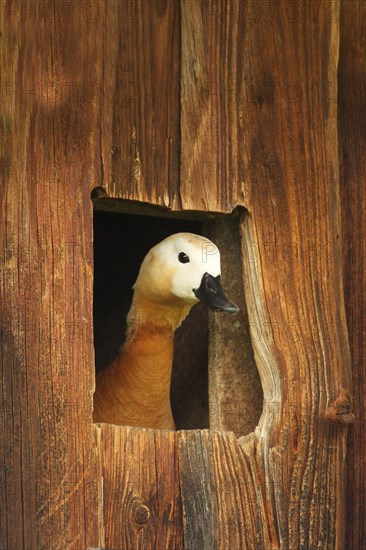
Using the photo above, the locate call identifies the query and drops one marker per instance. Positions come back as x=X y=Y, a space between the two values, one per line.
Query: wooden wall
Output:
x=192 y=105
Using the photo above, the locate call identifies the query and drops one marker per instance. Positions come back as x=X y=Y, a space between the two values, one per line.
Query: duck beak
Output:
x=212 y=294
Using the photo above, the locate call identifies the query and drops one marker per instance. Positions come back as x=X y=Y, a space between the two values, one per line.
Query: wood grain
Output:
x=140 y=488
x=256 y=126
x=50 y=486
x=212 y=37
x=219 y=485
x=140 y=109
x=235 y=391
x=271 y=120
x=352 y=125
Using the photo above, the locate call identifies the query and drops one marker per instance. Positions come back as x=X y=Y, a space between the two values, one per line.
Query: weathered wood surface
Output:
x=352 y=128
x=235 y=391
x=50 y=486
x=212 y=37
x=267 y=126
x=140 y=107
x=141 y=494
x=149 y=475
x=258 y=128
x=221 y=491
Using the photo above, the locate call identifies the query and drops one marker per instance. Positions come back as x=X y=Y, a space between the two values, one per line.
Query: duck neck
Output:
x=147 y=359
x=159 y=314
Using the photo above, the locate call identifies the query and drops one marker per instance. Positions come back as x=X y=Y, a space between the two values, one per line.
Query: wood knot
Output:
x=140 y=513
x=340 y=411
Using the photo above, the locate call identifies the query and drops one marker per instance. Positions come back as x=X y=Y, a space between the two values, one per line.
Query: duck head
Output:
x=184 y=269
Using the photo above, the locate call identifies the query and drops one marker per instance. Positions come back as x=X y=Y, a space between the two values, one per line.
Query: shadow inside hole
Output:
x=120 y=243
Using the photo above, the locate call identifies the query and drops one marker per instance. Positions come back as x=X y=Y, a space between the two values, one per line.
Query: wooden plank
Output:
x=352 y=125
x=141 y=498
x=211 y=92
x=50 y=161
x=144 y=472
x=140 y=110
x=232 y=369
x=220 y=486
x=271 y=139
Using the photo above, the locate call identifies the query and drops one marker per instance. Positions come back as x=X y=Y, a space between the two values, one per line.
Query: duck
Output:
x=176 y=274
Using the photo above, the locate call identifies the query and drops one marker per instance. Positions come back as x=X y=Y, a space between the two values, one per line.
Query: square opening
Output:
x=201 y=395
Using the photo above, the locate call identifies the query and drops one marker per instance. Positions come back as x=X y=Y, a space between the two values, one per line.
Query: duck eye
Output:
x=183 y=258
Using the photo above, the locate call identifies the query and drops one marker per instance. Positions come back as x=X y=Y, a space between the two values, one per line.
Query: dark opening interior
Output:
x=121 y=240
